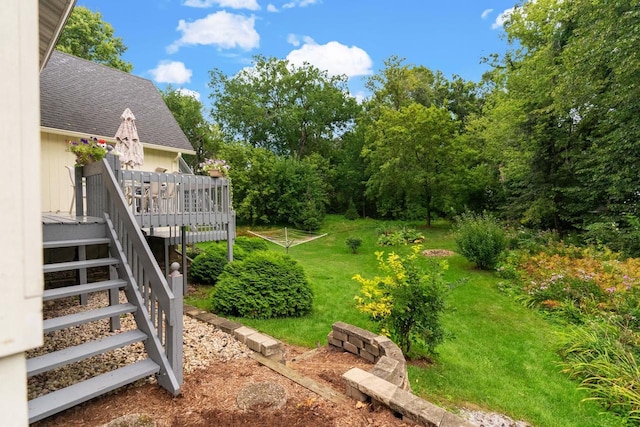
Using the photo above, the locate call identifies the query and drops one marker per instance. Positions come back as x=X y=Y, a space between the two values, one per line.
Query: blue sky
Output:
x=177 y=42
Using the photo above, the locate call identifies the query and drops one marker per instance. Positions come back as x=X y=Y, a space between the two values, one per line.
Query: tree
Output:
x=289 y=110
x=411 y=159
x=87 y=36
x=268 y=189
x=252 y=170
x=399 y=86
x=564 y=116
x=205 y=138
x=408 y=301
x=349 y=173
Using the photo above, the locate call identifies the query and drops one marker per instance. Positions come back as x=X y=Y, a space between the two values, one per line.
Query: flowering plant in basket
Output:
x=214 y=167
x=88 y=150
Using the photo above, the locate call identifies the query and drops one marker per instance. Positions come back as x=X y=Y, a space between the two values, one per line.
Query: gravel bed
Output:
x=203 y=344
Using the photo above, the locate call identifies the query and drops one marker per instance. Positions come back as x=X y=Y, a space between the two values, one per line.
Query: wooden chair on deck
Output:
x=71 y=171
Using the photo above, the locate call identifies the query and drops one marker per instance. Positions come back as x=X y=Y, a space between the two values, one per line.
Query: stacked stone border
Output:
x=256 y=341
x=387 y=383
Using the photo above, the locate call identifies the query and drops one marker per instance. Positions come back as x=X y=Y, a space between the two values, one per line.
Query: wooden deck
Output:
x=49 y=218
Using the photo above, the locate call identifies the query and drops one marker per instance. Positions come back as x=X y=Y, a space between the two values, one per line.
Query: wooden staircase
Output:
x=115 y=280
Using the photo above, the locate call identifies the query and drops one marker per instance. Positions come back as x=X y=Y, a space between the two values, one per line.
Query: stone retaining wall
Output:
x=390 y=364
x=387 y=383
x=256 y=341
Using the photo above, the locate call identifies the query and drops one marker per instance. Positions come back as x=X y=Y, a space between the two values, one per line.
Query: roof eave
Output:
x=52 y=18
x=112 y=140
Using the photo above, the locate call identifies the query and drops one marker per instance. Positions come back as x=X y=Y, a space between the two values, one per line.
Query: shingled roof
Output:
x=81 y=96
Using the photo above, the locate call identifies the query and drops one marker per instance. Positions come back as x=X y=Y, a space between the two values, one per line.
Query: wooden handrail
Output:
x=158 y=306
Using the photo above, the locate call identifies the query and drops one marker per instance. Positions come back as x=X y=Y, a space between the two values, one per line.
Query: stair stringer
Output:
x=167 y=378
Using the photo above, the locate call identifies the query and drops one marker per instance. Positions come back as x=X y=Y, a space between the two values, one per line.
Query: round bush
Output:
x=351 y=213
x=250 y=244
x=207 y=267
x=264 y=285
x=480 y=239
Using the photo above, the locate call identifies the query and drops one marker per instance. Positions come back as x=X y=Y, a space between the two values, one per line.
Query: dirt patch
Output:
x=209 y=397
x=437 y=252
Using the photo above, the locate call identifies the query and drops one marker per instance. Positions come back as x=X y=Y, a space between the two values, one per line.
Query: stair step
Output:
x=74 y=265
x=69 y=291
x=47 y=362
x=76 y=242
x=67 y=321
x=65 y=398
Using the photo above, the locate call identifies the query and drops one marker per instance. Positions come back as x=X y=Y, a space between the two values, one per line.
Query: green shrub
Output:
x=262 y=286
x=353 y=243
x=402 y=236
x=530 y=241
x=352 y=213
x=480 y=239
x=408 y=301
x=250 y=244
x=620 y=237
x=207 y=267
x=193 y=251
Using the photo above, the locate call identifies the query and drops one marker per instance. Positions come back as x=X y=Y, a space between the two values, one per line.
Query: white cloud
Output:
x=222 y=29
x=293 y=39
x=299 y=3
x=171 y=72
x=502 y=18
x=333 y=57
x=232 y=4
x=272 y=8
x=359 y=96
x=189 y=92
x=486 y=13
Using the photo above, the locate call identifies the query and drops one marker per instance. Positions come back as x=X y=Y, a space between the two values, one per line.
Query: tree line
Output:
x=548 y=139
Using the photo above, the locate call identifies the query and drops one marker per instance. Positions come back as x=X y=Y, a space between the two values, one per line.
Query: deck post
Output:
x=229 y=243
x=79 y=187
x=174 y=332
x=183 y=241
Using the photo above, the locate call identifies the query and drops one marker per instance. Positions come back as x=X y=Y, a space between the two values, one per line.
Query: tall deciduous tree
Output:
x=411 y=159
x=404 y=88
x=204 y=137
x=87 y=36
x=570 y=100
x=275 y=105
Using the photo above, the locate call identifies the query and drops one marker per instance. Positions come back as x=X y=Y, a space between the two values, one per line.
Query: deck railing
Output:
x=159 y=312
x=200 y=203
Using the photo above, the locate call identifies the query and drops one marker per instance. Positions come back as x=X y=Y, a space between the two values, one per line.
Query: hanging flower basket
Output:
x=215 y=168
x=88 y=150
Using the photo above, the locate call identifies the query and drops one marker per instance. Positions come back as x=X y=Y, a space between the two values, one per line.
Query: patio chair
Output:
x=162 y=197
x=169 y=197
x=136 y=194
x=71 y=171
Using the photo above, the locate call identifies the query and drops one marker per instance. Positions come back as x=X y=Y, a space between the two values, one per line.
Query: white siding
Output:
x=21 y=280
x=57 y=192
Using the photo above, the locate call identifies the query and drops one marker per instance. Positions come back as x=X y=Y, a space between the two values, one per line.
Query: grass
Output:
x=503 y=357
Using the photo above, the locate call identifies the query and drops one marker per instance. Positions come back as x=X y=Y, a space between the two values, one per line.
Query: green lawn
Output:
x=502 y=357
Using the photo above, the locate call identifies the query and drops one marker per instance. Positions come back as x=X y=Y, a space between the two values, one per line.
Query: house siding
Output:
x=22 y=281
x=57 y=192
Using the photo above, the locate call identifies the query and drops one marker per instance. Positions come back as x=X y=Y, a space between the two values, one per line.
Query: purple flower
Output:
x=611 y=289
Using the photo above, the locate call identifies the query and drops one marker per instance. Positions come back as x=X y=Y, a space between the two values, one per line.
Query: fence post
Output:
x=174 y=333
